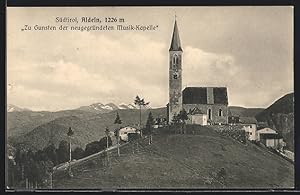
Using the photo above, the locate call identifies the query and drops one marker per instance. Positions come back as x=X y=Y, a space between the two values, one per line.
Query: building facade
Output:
x=212 y=101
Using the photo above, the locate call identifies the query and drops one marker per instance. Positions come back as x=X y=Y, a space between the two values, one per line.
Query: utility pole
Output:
x=107 y=135
x=118 y=139
x=119 y=122
x=51 y=180
x=70 y=133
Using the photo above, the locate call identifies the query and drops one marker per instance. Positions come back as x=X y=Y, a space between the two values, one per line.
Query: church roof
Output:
x=205 y=95
x=175 y=43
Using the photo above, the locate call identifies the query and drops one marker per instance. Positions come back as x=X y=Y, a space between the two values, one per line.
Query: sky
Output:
x=249 y=50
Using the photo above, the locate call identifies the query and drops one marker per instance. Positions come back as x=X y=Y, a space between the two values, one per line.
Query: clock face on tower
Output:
x=175 y=76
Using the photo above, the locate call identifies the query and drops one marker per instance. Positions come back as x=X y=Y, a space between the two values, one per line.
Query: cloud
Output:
x=60 y=70
x=208 y=69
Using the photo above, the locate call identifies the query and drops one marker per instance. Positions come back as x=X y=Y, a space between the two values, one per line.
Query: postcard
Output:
x=150 y=98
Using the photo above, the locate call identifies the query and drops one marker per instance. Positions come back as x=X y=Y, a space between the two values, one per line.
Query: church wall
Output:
x=214 y=111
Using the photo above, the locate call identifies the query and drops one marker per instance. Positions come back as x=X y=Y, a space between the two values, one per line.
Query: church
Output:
x=211 y=103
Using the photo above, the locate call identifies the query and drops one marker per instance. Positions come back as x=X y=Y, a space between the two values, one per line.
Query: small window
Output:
x=209 y=113
x=175 y=76
x=250 y=133
x=220 y=112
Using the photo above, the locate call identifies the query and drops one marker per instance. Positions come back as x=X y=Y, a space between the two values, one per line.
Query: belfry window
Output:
x=220 y=112
x=175 y=76
x=175 y=61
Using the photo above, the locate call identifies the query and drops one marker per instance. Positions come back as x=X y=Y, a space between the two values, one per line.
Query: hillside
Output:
x=280 y=116
x=243 y=112
x=20 y=123
x=184 y=161
x=87 y=128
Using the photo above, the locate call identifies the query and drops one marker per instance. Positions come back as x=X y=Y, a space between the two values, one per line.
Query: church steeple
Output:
x=175 y=43
x=175 y=75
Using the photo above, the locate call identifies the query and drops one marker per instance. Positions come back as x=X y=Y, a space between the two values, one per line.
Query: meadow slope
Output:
x=184 y=161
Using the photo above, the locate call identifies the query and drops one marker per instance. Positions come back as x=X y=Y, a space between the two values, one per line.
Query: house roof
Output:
x=195 y=110
x=200 y=95
x=175 y=43
x=248 y=120
x=271 y=136
x=266 y=130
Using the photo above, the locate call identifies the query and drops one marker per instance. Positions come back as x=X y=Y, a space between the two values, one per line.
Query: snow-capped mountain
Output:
x=14 y=108
x=102 y=108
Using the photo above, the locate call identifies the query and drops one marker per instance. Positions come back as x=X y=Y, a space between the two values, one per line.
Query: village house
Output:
x=233 y=120
x=196 y=116
x=270 y=138
x=264 y=131
x=249 y=124
x=123 y=133
x=212 y=101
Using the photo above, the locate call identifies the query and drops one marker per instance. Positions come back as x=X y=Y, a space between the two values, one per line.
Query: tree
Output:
x=78 y=153
x=182 y=116
x=40 y=156
x=92 y=148
x=175 y=119
x=62 y=151
x=50 y=151
x=105 y=142
x=119 y=122
x=140 y=102
x=149 y=124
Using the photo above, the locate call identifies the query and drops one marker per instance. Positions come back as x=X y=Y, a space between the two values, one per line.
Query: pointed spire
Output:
x=175 y=43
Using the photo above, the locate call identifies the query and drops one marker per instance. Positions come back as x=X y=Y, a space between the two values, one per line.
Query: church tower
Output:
x=175 y=75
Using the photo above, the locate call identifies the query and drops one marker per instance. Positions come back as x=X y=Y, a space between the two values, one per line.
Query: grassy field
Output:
x=184 y=161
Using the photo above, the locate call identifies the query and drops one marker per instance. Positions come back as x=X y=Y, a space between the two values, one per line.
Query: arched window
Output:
x=220 y=112
x=175 y=61
x=209 y=113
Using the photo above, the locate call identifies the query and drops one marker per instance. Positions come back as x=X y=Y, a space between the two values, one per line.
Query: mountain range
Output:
x=95 y=108
x=104 y=108
x=36 y=130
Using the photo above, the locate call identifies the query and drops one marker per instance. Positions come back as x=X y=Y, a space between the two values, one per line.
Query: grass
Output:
x=185 y=161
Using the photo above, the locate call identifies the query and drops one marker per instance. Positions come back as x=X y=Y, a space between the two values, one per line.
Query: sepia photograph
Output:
x=150 y=97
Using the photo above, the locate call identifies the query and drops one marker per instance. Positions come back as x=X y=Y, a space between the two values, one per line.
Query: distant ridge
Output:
x=14 y=108
x=280 y=116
